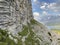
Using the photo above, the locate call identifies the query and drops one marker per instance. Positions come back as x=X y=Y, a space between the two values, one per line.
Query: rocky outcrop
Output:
x=16 y=17
x=14 y=14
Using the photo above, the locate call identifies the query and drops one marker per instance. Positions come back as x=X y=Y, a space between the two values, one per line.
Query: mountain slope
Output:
x=18 y=27
x=50 y=19
x=33 y=33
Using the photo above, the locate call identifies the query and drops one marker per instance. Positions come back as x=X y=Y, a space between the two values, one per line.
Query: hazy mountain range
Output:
x=50 y=19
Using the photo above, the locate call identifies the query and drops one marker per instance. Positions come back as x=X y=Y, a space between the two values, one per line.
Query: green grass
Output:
x=24 y=31
x=4 y=38
x=33 y=21
x=53 y=24
x=56 y=31
x=30 y=40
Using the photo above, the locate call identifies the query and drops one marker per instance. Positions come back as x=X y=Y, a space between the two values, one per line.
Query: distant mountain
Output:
x=50 y=19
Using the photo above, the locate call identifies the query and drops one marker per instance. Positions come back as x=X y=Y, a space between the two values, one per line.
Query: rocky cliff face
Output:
x=16 y=17
x=14 y=14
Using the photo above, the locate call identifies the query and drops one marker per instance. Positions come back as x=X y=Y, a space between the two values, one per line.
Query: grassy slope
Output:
x=27 y=30
x=4 y=38
x=56 y=31
x=30 y=38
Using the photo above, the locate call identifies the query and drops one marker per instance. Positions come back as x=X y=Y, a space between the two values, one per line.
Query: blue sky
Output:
x=45 y=7
x=46 y=11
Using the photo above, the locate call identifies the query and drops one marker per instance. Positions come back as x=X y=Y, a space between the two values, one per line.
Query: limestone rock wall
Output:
x=14 y=14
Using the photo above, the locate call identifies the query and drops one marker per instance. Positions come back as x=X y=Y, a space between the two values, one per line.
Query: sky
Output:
x=46 y=11
x=45 y=7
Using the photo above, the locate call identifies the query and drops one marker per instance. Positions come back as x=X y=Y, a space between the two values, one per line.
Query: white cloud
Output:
x=59 y=14
x=36 y=15
x=35 y=0
x=50 y=6
x=45 y=13
x=54 y=6
x=42 y=7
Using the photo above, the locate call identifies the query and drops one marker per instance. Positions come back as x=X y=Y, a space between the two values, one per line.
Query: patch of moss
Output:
x=31 y=40
x=19 y=42
x=9 y=41
x=24 y=31
x=33 y=21
x=3 y=35
x=4 y=38
x=2 y=43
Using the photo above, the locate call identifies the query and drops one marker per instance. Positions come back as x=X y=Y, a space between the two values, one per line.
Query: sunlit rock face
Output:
x=16 y=17
x=14 y=14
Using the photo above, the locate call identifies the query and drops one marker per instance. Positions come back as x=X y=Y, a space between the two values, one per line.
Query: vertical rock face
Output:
x=16 y=17
x=14 y=14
